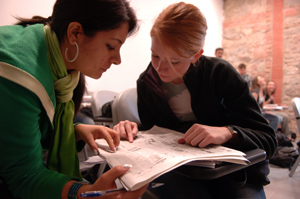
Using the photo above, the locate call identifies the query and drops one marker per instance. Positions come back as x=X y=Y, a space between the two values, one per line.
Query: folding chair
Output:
x=296 y=108
x=99 y=98
x=124 y=107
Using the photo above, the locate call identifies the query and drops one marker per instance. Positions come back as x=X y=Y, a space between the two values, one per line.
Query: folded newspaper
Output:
x=156 y=151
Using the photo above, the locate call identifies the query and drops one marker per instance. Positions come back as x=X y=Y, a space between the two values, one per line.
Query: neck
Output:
x=177 y=81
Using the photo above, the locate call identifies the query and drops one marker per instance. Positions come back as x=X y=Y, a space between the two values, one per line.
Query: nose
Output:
x=116 y=60
x=162 y=65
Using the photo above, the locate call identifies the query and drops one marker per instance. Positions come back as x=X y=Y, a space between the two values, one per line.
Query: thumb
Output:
x=107 y=179
x=118 y=171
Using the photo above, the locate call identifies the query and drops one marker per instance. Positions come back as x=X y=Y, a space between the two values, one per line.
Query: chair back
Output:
x=124 y=107
x=99 y=98
x=296 y=108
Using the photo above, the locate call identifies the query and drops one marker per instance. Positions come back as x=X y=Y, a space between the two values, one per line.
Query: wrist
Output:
x=232 y=131
x=235 y=139
x=73 y=192
x=77 y=130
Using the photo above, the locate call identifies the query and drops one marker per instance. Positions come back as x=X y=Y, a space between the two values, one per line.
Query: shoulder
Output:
x=215 y=69
x=25 y=48
x=214 y=65
x=213 y=61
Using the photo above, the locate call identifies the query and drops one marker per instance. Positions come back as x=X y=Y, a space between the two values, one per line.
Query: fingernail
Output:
x=115 y=149
x=127 y=166
x=96 y=152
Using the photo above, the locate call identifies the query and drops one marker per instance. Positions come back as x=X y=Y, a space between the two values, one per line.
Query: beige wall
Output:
x=135 y=53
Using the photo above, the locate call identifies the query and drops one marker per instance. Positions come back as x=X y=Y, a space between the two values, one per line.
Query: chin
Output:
x=94 y=75
x=98 y=76
x=164 y=80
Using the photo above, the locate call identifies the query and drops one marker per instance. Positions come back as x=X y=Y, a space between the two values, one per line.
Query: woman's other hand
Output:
x=127 y=130
x=202 y=135
x=89 y=133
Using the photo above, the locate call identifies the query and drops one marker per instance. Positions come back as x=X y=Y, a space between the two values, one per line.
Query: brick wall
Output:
x=265 y=35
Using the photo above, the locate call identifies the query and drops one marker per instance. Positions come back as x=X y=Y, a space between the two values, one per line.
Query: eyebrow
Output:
x=171 y=58
x=118 y=40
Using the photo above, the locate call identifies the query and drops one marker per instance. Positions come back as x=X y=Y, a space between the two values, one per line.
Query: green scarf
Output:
x=62 y=155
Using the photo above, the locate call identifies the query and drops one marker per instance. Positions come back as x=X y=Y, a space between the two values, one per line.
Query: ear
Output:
x=196 y=57
x=74 y=32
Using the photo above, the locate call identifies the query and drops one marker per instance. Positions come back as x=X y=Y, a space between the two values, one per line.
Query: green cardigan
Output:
x=27 y=107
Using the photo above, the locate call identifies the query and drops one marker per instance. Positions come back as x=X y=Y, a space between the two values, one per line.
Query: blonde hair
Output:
x=182 y=27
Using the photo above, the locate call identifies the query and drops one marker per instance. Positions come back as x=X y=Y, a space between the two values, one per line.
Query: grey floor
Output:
x=282 y=186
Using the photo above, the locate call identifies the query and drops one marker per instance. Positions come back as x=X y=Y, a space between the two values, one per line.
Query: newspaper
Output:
x=156 y=151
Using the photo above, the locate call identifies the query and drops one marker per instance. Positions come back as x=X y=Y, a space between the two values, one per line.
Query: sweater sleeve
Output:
x=24 y=124
x=243 y=112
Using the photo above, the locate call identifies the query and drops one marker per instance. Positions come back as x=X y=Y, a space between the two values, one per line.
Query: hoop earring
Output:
x=77 y=51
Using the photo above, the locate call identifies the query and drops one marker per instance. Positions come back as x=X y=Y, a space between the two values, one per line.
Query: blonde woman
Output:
x=270 y=91
x=205 y=99
x=257 y=90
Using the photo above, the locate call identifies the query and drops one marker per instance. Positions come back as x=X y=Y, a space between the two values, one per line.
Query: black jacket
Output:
x=219 y=97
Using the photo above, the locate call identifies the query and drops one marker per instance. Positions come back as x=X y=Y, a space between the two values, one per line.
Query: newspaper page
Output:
x=156 y=151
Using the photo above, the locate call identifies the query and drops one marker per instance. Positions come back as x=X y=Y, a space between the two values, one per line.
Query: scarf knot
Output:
x=64 y=87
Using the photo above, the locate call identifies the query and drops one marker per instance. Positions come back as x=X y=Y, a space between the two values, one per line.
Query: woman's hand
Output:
x=89 y=133
x=202 y=135
x=272 y=97
x=107 y=181
x=127 y=130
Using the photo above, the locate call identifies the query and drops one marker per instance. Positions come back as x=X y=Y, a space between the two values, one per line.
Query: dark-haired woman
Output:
x=41 y=66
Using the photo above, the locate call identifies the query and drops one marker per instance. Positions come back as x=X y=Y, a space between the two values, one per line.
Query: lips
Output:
x=163 y=76
x=105 y=69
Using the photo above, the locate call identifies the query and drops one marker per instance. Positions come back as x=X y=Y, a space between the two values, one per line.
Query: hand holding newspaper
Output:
x=156 y=151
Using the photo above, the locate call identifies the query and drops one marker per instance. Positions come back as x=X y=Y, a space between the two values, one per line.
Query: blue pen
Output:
x=90 y=194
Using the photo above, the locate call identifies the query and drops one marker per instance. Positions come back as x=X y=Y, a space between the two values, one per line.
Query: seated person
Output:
x=269 y=99
x=257 y=90
x=84 y=116
x=205 y=99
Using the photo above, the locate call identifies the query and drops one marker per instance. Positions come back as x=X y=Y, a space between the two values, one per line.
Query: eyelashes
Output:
x=110 y=47
x=173 y=63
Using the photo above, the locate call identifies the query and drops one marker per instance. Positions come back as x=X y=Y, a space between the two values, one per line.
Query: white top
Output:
x=179 y=100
